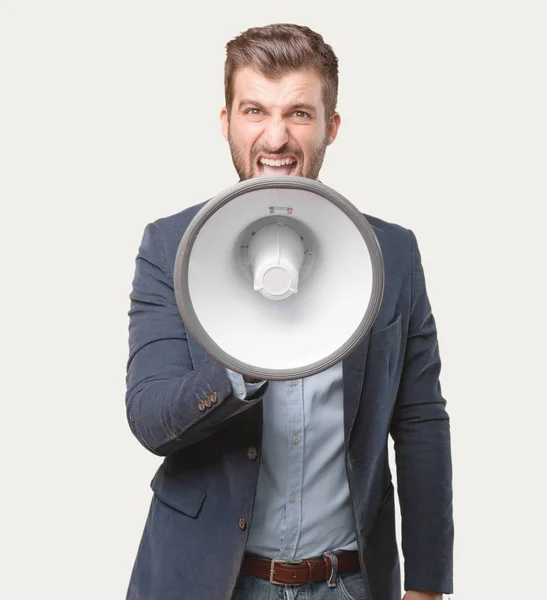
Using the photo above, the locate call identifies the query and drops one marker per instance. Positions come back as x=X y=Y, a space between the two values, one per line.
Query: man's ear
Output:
x=334 y=125
x=224 y=123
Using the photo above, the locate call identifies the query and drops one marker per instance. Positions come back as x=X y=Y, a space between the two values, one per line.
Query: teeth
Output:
x=277 y=163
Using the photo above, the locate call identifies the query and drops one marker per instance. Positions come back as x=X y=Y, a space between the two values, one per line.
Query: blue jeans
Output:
x=349 y=586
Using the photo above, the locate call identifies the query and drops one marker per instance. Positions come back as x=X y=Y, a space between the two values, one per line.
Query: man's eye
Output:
x=300 y=114
x=253 y=111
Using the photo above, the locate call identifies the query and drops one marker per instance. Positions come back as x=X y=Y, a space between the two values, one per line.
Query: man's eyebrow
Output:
x=296 y=106
x=246 y=101
x=303 y=106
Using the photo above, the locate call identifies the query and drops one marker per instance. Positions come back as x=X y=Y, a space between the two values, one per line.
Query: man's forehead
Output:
x=296 y=86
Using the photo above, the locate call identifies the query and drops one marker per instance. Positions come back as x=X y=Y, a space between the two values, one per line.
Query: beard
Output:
x=246 y=170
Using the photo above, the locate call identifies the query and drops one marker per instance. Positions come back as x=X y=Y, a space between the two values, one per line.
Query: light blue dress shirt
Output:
x=302 y=505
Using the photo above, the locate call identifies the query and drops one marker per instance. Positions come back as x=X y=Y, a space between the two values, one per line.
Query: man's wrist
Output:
x=243 y=386
x=248 y=379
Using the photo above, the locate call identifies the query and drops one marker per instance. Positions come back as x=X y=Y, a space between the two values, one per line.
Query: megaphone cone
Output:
x=279 y=277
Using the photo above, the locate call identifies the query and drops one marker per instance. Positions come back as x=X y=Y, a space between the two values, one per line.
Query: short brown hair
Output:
x=279 y=49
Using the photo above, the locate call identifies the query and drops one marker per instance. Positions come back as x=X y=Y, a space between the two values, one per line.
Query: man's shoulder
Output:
x=389 y=234
x=179 y=221
x=171 y=228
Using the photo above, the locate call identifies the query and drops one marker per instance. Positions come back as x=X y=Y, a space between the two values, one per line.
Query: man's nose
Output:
x=276 y=134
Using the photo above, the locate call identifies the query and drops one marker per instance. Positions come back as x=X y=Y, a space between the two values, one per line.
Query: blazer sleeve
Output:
x=163 y=388
x=421 y=434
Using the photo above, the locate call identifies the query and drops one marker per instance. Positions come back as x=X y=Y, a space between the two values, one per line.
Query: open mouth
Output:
x=278 y=166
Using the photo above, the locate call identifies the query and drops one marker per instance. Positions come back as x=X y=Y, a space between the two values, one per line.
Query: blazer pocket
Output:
x=173 y=490
x=386 y=336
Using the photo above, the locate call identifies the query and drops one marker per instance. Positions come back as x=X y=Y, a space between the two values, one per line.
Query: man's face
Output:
x=278 y=121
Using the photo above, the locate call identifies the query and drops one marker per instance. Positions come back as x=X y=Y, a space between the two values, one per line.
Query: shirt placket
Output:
x=295 y=467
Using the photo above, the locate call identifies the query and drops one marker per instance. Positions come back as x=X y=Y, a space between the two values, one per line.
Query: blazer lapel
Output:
x=353 y=369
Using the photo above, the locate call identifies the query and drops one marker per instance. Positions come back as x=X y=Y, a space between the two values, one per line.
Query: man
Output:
x=294 y=471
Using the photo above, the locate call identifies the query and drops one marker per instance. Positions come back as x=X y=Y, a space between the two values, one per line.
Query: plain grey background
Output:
x=109 y=120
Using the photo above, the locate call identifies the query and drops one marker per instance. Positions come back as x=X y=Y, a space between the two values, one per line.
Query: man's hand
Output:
x=414 y=595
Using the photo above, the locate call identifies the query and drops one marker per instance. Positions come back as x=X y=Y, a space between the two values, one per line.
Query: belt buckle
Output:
x=275 y=561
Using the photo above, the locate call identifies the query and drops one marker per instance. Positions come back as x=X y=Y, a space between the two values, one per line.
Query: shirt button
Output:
x=242 y=524
x=286 y=552
x=252 y=453
x=295 y=439
x=294 y=382
x=240 y=390
x=293 y=497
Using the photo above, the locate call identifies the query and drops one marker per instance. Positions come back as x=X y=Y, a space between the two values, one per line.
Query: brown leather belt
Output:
x=284 y=572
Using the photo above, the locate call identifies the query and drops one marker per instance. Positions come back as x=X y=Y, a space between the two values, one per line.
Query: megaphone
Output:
x=279 y=277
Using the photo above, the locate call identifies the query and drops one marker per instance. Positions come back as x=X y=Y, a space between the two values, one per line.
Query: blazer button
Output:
x=201 y=405
x=208 y=402
x=214 y=397
x=252 y=453
x=242 y=524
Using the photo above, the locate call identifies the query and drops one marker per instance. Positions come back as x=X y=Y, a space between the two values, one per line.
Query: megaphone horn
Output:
x=279 y=277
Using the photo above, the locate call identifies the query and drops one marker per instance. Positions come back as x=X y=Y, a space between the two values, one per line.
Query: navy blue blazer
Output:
x=201 y=510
